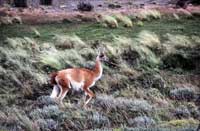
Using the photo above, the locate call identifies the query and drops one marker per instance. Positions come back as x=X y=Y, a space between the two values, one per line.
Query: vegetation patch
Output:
x=133 y=90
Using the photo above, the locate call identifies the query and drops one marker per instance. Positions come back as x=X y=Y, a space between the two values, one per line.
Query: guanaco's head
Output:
x=101 y=55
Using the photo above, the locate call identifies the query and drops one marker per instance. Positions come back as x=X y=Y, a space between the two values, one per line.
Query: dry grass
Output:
x=6 y=21
x=68 y=42
x=135 y=49
x=180 y=123
x=107 y=20
x=148 y=14
x=149 y=39
x=36 y=32
x=51 y=59
x=178 y=40
x=126 y=21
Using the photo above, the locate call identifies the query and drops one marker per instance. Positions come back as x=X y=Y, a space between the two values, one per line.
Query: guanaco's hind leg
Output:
x=64 y=88
x=55 y=91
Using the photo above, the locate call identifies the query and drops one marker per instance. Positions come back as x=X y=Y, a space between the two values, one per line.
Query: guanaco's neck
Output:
x=98 y=70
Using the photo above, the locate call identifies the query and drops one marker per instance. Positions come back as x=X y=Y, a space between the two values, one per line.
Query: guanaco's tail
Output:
x=53 y=78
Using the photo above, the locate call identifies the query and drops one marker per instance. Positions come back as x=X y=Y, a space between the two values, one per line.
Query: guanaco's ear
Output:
x=101 y=49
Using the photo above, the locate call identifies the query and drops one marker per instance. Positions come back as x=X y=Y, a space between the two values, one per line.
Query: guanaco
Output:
x=78 y=79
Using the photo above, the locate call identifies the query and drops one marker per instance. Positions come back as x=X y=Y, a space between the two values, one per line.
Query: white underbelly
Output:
x=76 y=85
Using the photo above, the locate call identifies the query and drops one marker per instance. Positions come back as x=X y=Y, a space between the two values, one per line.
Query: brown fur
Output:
x=80 y=75
x=53 y=76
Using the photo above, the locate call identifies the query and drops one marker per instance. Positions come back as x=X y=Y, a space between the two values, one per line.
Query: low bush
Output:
x=148 y=80
x=110 y=103
x=47 y=124
x=182 y=94
x=141 y=121
x=45 y=100
x=182 y=112
x=47 y=112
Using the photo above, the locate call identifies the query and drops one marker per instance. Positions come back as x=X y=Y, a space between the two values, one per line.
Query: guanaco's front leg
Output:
x=90 y=94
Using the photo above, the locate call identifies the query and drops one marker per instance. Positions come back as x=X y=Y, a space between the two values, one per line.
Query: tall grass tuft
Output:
x=149 y=39
x=148 y=14
x=68 y=42
x=124 y=19
x=107 y=20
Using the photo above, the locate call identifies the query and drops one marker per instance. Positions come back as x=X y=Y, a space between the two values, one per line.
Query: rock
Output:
x=82 y=6
x=182 y=3
x=114 y=6
x=185 y=3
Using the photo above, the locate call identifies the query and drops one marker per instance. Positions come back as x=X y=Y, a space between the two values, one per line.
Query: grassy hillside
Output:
x=153 y=83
